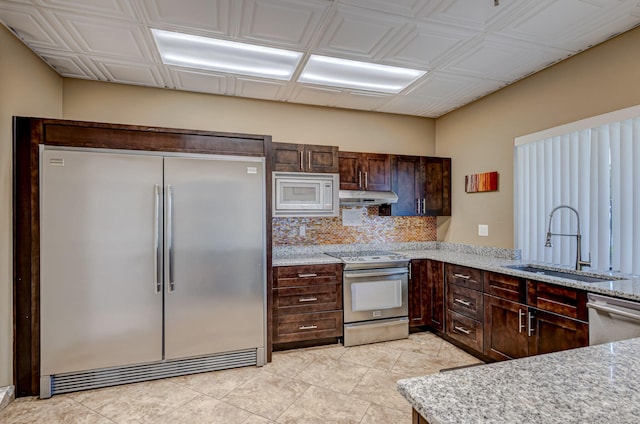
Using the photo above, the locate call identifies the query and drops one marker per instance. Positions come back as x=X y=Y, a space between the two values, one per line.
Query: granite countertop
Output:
x=485 y=258
x=595 y=384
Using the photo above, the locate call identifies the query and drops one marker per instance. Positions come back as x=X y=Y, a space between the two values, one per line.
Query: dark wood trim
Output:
x=29 y=134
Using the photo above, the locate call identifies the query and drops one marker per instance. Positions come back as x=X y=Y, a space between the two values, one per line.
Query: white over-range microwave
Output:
x=305 y=194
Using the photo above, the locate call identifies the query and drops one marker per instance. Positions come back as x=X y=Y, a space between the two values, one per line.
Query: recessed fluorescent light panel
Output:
x=230 y=57
x=334 y=72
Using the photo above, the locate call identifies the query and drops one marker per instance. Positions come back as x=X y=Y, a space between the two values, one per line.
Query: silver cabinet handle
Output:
x=463 y=302
x=301 y=161
x=464 y=277
x=531 y=329
x=307 y=327
x=521 y=315
x=156 y=239
x=309 y=275
x=308 y=161
x=307 y=299
x=462 y=330
x=366 y=180
x=359 y=179
x=424 y=205
x=170 y=235
x=418 y=205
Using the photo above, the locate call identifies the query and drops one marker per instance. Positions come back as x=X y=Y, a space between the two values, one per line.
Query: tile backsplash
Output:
x=374 y=229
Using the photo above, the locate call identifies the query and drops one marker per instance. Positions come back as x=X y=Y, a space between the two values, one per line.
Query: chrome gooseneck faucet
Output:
x=579 y=262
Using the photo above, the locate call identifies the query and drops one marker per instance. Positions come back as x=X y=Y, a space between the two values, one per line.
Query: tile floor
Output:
x=330 y=384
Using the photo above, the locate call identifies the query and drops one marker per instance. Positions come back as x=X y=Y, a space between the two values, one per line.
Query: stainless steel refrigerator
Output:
x=151 y=266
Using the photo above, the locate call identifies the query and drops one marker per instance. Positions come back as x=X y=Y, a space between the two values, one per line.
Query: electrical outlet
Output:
x=302 y=230
x=483 y=230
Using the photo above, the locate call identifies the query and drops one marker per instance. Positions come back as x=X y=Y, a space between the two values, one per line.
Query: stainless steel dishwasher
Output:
x=612 y=319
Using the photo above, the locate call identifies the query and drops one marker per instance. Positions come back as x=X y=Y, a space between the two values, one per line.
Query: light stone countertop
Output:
x=595 y=384
x=485 y=258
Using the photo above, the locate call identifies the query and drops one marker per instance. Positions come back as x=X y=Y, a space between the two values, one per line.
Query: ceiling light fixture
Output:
x=334 y=72
x=212 y=54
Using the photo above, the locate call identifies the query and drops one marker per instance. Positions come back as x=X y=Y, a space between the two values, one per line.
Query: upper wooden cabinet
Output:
x=423 y=185
x=365 y=171
x=290 y=157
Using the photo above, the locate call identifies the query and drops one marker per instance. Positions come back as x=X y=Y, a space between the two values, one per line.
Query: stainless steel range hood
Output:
x=367 y=198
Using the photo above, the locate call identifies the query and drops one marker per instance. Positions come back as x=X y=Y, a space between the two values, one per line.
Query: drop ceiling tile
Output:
x=361 y=101
x=423 y=45
x=314 y=95
x=480 y=15
x=285 y=23
x=32 y=26
x=201 y=82
x=129 y=73
x=358 y=33
x=259 y=89
x=404 y=104
x=121 y=9
x=456 y=89
x=195 y=17
x=69 y=65
x=408 y=8
x=107 y=37
x=503 y=59
x=435 y=110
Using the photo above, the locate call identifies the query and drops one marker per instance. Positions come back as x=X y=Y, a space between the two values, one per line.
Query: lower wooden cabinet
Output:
x=465 y=330
x=307 y=303
x=552 y=333
x=426 y=294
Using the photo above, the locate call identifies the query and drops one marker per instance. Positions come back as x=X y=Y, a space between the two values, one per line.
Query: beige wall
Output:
x=479 y=137
x=286 y=122
x=28 y=87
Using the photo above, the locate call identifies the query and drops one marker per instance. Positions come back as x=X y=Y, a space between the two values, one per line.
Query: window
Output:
x=592 y=166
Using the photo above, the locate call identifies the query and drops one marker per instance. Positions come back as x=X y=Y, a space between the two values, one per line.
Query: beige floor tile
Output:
x=291 y=363
x=379 y=387
x=322 y=406
x=204 y=410
x=217 y=383
x=329 y=351
x=372 y=356
x=332 y=374
x=136 y=403
x=425 y=343
x=57 y=410
x=257 y=419
x=459 y=356
x=377 y=414
x=413 y=364
x=266 y=394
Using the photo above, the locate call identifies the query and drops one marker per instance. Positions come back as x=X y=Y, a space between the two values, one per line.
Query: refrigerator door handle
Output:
x=156 y=239
x=170 y=234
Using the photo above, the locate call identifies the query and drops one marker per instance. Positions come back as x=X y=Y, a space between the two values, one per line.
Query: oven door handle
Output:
x=377 y=273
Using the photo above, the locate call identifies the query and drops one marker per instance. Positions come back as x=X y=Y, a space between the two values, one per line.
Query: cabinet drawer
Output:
x=560 y=300
x=505 y=286
x=298 y=327
x=465 y=330
x=297 y=300
x=465 y=302
x=464 y=276
x=306 y=275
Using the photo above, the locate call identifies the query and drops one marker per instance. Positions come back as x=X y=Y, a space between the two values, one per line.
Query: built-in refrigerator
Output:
x=152 y=265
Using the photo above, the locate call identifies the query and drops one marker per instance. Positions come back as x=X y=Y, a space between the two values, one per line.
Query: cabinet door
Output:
x=321 y=159
x=407 y=183
x=437 y=186
x=287 y=157
x=552 y=333
x=350 y=172
x=505 y=329
x=435 y=289
x=377 y=171
x=418 y=293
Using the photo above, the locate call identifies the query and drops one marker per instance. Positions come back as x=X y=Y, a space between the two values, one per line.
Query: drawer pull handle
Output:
x=309 y=275
x=307 y=327
x=307 y=299
x=464 y=277
x=463 y=302
x=521 y=315
x=462 y=330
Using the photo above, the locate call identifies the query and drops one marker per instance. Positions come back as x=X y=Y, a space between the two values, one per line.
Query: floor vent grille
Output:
x=72 y=382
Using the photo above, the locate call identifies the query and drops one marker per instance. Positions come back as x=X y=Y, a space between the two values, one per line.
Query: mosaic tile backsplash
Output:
x=375 y=229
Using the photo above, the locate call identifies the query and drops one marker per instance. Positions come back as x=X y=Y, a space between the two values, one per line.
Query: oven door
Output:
x=375 y=294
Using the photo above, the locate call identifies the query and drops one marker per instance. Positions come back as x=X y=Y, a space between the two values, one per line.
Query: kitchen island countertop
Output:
x=595 y=384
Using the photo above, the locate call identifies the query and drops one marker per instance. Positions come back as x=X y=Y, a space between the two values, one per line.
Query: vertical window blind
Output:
x=594 y=169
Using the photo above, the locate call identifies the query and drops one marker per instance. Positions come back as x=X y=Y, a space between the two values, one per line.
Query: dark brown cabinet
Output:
x=364 y=171
x=464 y=305
x=524 y=318
x=290 y=157
x=307 y=303
x=426 y=294
x=423 y=186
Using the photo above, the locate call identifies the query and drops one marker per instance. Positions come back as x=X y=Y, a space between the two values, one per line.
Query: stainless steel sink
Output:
x=561 y=274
